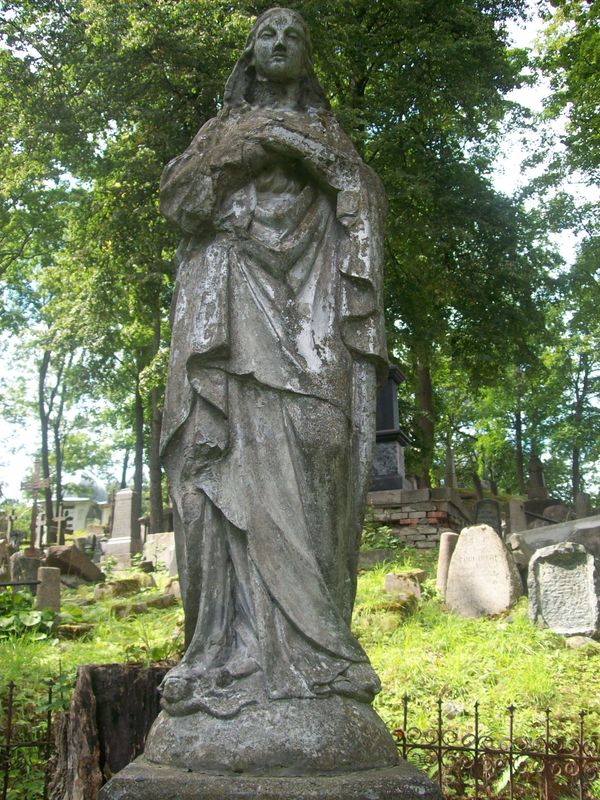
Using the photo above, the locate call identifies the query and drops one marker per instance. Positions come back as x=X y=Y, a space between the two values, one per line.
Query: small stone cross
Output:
x=60 y=518
x=34 y=485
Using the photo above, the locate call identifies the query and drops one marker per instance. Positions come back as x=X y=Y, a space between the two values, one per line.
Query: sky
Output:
x=18 y=444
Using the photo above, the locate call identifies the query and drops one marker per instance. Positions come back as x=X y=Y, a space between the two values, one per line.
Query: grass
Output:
x=419 y=650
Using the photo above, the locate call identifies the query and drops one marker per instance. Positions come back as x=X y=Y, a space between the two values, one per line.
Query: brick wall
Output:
x=418 y=517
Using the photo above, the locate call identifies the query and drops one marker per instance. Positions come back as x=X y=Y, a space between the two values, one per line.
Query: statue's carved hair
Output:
x=239 y=89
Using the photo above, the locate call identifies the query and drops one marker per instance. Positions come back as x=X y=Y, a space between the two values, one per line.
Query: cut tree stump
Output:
x=105 y=727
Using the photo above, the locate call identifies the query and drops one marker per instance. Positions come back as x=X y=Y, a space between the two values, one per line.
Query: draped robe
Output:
x=268 y=423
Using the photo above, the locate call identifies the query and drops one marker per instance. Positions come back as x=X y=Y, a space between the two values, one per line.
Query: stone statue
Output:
x=268 y=429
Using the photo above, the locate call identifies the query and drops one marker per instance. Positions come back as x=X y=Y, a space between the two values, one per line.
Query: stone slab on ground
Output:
x=142 y=780
x=402 y=585
x=564 y=589
x=553 y=534
x=370 y=558
x=73 y=561
x=483 y=578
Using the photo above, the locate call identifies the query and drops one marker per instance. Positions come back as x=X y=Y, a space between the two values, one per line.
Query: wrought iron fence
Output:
x=25 y=759
x=469 y=767
x=480 y=767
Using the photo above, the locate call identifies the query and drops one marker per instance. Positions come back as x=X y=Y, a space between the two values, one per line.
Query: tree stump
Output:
x=105 y=728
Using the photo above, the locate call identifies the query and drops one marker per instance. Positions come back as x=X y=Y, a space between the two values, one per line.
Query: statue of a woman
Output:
x=278 y=342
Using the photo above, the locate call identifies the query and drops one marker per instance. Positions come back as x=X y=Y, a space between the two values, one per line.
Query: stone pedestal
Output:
x=142 y=780
x=387 y=472
x=448 y=541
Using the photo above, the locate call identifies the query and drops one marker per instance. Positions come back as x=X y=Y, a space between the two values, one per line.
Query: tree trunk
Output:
x=123 y=484
x=518 y=418
x=425 y=419
x=519 y=462
x=156 y=500
x=581 y=391
x=44 y=415
x=138 y=474
x=110 y=714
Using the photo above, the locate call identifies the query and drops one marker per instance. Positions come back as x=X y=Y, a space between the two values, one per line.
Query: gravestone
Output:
x=4 y=561
x=403 y=585
x=48 y=593
x=564 y=589
x=388 y=470
x=160 y=549
x=24 y=568
x=71 y=560
x=483 y=578
x=516 y=514
x=584 y=531
x=487 y=512
x=125 y=537
x=448 y=541
x=583 y=505
x=536 y=485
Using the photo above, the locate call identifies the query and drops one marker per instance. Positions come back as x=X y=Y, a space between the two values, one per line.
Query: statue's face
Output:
x=279 y=49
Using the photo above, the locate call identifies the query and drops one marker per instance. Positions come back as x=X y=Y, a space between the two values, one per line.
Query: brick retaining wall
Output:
x=418 y=517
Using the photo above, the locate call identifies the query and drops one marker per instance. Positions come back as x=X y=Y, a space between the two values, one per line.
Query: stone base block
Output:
x=144 y=781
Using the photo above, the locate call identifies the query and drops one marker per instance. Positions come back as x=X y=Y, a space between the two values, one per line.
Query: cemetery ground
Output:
x=417 y=648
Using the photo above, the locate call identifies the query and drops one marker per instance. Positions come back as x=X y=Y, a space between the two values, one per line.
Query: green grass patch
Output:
x=419 y=650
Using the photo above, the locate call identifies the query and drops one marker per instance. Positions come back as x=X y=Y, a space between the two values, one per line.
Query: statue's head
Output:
x=278 y=50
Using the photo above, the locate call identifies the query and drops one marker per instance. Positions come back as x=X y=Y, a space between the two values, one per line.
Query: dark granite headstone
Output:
x=387 y=471
x=487 y=512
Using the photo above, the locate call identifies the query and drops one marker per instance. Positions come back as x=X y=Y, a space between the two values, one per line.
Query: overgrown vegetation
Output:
x=419 y=650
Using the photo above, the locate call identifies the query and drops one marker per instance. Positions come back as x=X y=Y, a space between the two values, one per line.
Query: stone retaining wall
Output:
x=418 y=517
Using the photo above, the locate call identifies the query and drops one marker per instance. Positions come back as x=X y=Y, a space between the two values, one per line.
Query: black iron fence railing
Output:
x=479 y=767
x=474 y=766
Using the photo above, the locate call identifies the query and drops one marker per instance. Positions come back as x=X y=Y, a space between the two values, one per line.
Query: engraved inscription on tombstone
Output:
x=564 y=589
x=483 y=578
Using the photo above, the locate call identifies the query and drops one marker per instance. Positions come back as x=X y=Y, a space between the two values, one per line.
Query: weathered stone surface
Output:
x=73 y=561
x=25 y=568
x=48 y=593
x=121 y=587
x=516 y=515
x=586 y=643
x=483 y=578
x=267 y=431
x=487 y=512
x=290 y=736
x=448 y=540
x=559 y=512
x=564 y=589
x=160 y=549
x=75 y=631
x=585 y=531
x=4 y=560
x=370 y=558
x=144 y=781
x=402 y=585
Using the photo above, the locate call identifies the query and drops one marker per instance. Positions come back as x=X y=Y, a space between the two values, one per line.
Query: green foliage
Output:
x=19 y=618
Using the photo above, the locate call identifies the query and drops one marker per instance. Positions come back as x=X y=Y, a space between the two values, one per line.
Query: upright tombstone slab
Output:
x=487 y=512
x=516 y=515
x=24 y=569
x=564 y=589
x=48 y=595
x=125 y=533
x=483 y=578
